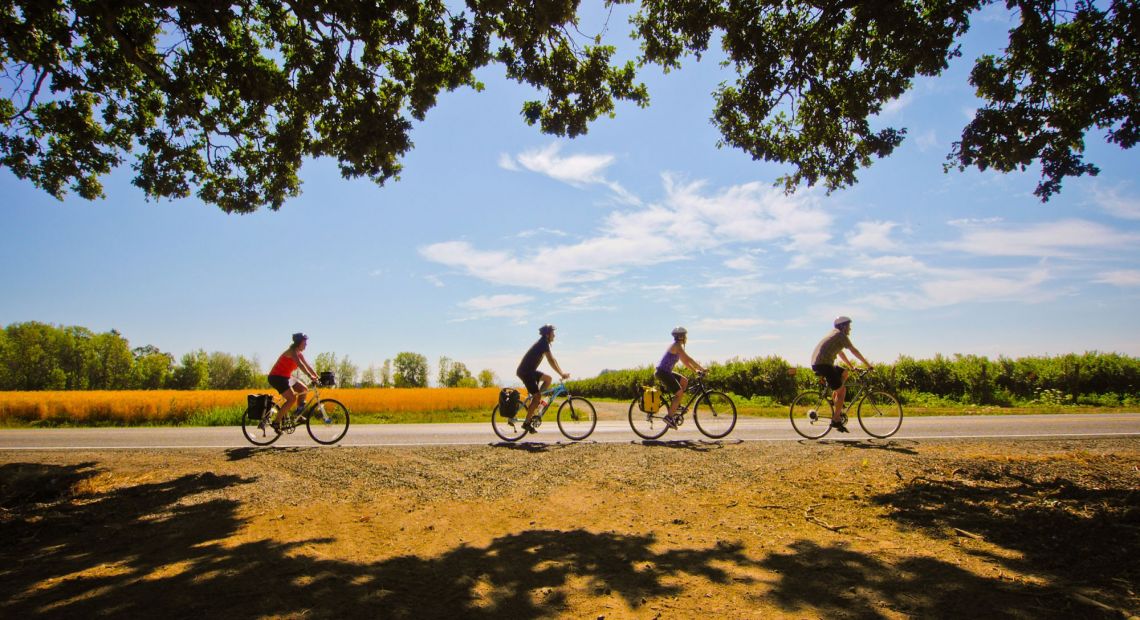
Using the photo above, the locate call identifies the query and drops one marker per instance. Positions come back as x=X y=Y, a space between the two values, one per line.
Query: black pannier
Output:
x=257 y=405
x=328 y=379
x=508 y=402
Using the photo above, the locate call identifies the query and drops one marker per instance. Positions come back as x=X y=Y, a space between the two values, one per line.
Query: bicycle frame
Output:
x=556 y=391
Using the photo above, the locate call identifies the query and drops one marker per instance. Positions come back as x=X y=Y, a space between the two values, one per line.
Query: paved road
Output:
x=608 y=431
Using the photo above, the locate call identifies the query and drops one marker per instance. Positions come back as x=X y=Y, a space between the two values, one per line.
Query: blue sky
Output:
x=615 y=237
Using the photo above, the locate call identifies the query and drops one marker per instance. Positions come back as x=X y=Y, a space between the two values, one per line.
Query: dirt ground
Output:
x=896 y=529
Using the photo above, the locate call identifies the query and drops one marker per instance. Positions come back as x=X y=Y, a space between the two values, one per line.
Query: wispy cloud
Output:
x=1113 y=203
x=489 y=306
x=576 y=170
x=688 y=220
x=1060 y=238
x=871 y=236
x=1124 y=278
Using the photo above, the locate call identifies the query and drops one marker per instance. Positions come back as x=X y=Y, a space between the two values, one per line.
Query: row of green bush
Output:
x=1106 y=379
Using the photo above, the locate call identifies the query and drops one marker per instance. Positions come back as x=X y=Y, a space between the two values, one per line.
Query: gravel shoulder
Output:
x=895 y=529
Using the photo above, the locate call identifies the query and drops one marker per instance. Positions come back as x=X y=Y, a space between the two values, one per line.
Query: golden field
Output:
x=177 y=406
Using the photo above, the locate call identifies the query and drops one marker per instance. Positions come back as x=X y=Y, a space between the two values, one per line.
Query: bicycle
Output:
x=325 y=418
x=576 y=416
x=714 y=413
x=879 y=412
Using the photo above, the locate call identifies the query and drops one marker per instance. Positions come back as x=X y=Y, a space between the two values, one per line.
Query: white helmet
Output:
x=841 y=321
x=679 y=331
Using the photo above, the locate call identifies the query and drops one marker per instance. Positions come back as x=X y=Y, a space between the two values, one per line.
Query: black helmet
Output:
x=546 y=330
x=298 y=338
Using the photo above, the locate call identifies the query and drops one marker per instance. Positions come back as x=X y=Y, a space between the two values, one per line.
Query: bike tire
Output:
x=259 y=436
x=504 y=429
x=883 y=415
x=331 y=431
x=715 y=414
x=810 y=414
x=646 y=425
x=577 y=418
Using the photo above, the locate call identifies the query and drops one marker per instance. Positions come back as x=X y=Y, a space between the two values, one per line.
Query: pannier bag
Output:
x=508 y=402
x=328 y=379
x=650 y=399
x=257 y=405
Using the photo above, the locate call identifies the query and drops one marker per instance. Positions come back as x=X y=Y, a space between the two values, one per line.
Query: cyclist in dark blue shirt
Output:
x=531 y=376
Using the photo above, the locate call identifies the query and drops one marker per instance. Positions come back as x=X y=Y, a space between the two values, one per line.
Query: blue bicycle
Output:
x=576 y=416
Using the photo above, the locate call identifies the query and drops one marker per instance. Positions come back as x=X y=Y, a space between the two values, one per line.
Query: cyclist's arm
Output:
x=690 y=362
x=304 y=364
x=554 y=365
x=858 y=355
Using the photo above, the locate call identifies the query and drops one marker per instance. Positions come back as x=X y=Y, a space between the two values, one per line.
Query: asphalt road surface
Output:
x=1020 y=427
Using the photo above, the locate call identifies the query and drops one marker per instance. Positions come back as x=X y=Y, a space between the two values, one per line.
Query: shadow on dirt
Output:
x=171 y=549
x=156 y=550
x=886 y=445
x=1081 y=534
x=695 y=445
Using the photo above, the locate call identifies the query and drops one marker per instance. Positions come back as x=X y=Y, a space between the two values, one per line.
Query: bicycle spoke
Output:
x=577 y=418
x=328 y=421
x=715 y=414
x=646 y=425
x=811 y=414
x=880 y=414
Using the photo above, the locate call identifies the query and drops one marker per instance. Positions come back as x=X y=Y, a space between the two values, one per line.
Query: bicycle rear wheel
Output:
x=880 y=414
x=258 y=432
x=811 y=414
x=647 y=425
x=715 y=414
x=508 y=429
x=577 y=418
x=328 y=421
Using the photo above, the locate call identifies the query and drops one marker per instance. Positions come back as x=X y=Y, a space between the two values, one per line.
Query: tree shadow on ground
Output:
x=833 y=581
x=1080 y=533
x=168 y=549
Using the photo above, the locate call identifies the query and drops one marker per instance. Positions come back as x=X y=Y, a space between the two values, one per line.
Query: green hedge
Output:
x=1107 y=379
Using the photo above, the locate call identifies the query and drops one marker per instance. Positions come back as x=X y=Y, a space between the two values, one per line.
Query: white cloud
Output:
x=575 y=170
x=1112 y=202
x=926 y=140
x=742 y=263
x=1122 y=278
x=688 y=220
x=1060 y=238
x=873 y=236
x=894 y=106
x=507 y=306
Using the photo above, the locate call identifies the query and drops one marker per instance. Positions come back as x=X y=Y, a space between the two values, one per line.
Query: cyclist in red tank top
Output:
x=281 y=376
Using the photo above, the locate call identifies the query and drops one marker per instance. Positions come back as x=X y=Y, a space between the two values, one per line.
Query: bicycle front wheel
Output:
x=715 y=414
x=508 y=429
x=258 y=431
x=880 y=414
x=577 y=418
x=811 y=415
x=328 y=421
x=647 y=425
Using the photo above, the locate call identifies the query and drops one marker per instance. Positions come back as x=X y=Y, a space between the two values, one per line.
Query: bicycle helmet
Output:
x=841 y=321
x=546 y=330
x=679 y=331
x=298 y=338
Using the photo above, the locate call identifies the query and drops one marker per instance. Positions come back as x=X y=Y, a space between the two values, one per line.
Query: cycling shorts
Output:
x=832 y=373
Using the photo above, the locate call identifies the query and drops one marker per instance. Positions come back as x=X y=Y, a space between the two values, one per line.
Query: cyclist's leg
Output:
x=284 y=387
x=836 y=378
x=530 y=382
x=840 y=397
x=674 y=384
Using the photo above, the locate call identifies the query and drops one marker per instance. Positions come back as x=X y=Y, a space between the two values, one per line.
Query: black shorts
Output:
x=279 y=383
x=530 y=380
x=832 y=373
x=671 y=380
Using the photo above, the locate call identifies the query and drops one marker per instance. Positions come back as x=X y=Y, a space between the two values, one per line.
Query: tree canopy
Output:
x=224 y=100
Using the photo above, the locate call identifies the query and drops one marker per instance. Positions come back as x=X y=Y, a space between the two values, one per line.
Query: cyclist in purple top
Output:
x=676 y=383
x=530 y=375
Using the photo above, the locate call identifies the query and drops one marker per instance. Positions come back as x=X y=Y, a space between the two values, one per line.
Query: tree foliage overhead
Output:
x=224 y=100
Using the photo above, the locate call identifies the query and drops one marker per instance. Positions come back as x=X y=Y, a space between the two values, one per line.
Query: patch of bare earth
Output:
x=1034 y=529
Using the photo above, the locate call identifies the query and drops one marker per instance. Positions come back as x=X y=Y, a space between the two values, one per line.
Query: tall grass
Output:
x=221 y=407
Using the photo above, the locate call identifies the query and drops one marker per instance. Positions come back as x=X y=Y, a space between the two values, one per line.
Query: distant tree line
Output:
x=40 y=356
x=1093 y=378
